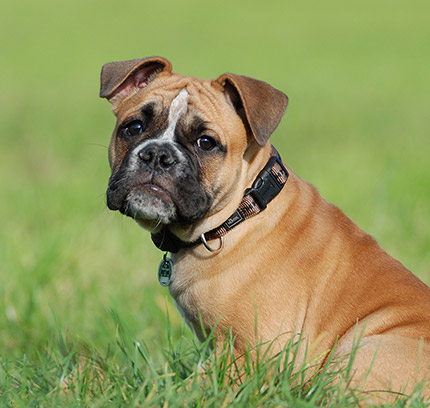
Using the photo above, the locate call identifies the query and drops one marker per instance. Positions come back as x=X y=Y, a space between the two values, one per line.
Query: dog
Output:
x=255 y=249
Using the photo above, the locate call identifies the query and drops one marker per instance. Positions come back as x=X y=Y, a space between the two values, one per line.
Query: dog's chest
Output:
x=187 y=293
x=199 y=292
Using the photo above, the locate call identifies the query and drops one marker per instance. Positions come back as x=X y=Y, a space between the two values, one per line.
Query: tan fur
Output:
x=300 y=266
x=304 y=267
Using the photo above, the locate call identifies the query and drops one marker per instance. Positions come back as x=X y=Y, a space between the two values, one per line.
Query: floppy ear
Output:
x=260 y=105
x=119 y=79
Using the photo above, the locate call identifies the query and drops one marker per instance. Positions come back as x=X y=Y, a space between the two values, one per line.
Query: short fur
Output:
x=300 y=266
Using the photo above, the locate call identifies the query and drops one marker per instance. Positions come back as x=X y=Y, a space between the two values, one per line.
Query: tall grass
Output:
x=184 y=373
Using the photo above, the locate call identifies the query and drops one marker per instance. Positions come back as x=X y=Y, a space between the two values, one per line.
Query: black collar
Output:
x=265 y=188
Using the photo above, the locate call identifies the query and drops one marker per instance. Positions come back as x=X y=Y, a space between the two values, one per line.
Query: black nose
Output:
x=157 y=157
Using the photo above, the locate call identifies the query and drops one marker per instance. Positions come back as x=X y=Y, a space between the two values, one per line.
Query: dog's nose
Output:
x=157 y=157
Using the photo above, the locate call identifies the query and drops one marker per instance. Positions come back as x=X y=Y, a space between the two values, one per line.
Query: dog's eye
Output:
x=134 y=128
x=206 y=143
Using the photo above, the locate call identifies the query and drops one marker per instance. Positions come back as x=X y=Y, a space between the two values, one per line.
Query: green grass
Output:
x=357 y=127
x=185 y=373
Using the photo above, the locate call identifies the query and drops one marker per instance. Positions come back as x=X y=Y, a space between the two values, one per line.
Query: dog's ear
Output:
x=120 y=79
x=260 y=106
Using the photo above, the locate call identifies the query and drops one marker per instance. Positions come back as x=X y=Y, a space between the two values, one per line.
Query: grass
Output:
x=357 y=127
x=185 y=373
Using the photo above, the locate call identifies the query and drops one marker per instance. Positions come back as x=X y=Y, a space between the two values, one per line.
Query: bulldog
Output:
x=255 y=249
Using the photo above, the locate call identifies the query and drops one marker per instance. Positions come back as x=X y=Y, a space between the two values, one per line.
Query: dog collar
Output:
x=265 y=188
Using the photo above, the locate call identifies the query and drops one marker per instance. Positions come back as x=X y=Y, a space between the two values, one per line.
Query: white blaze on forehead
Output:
x=178 y=108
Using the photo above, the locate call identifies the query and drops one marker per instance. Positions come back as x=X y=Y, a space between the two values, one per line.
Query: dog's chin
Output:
x=150 y=207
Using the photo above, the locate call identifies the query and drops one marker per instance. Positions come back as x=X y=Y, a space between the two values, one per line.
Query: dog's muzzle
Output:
x=157 y=181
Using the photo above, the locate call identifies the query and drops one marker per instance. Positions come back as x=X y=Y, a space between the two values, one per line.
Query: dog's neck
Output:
x=267 y=185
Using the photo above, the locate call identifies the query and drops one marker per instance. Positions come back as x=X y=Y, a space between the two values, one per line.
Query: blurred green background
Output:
x=357 y=126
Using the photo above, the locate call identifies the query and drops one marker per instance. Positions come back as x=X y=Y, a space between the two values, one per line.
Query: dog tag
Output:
x=165 y=271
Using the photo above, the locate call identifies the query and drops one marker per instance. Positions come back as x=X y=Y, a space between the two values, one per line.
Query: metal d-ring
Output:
x=208 y=247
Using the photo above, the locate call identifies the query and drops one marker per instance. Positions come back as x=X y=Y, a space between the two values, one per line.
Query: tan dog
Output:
x=274 y=259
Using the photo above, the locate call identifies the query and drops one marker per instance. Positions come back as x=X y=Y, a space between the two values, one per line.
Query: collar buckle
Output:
x=267 y=186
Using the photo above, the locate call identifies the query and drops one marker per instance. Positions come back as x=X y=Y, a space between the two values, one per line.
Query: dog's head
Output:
x=182 y=148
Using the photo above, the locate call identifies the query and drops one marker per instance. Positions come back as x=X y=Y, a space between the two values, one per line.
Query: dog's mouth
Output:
x=155 y=199
x=153 y=189
x=149 y=203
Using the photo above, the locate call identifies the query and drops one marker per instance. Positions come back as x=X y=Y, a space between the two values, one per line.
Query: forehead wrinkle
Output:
x=156 y=95
x=129 y=113
x=136 y=106
x=213 y=100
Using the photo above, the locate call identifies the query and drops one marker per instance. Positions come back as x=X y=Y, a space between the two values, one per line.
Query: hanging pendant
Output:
x=165 y=271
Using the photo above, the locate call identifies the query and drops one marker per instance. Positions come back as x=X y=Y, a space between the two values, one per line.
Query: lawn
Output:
x=83 y=320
